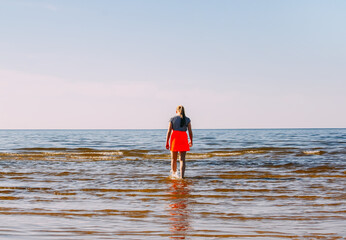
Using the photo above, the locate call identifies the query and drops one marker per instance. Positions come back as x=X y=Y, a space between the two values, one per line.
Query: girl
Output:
x=177 y=140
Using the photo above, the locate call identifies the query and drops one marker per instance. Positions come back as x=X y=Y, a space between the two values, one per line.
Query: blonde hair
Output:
x=181 y=111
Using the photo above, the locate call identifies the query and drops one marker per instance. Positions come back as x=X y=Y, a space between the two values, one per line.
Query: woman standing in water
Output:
x=177 y=140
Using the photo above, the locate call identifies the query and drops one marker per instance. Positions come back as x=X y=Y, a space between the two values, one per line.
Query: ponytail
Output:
x=181 y=112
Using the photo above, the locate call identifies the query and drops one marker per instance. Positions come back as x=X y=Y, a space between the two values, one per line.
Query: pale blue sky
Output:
x=128 y=64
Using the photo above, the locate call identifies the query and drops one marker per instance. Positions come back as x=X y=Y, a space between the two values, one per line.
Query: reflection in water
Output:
x=179 y=209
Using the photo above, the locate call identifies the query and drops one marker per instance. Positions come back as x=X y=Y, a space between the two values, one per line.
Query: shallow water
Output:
x=114 y=184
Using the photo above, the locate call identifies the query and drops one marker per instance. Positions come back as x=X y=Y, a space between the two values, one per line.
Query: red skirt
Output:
x=179 y=142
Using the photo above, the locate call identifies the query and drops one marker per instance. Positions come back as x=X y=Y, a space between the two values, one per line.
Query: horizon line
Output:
x=275 y=128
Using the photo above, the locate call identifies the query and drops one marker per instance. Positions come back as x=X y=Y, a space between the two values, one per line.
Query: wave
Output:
x=314 y=152
x=90 y=154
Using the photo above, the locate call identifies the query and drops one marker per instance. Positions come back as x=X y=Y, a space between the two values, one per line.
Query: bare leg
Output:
x=182 y=164
x=174 y=157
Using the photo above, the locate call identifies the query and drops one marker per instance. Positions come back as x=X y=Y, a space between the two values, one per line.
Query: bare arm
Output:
x=190 y=134
x=169 y=131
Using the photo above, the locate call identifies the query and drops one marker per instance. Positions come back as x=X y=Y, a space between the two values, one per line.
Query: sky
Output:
x=119 y=64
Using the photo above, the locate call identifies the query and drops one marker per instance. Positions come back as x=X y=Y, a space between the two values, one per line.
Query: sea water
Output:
x=114 y=184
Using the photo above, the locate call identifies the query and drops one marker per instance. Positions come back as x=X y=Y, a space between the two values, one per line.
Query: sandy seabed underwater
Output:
x=114 y=184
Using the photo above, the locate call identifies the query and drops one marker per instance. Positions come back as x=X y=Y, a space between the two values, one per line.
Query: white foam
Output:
x=120 y=153
x=174 y=175
x=312 y=152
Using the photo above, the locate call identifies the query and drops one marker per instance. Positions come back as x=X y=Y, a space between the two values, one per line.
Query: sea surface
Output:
x=115 y=184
